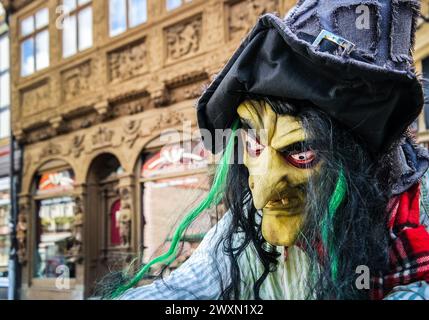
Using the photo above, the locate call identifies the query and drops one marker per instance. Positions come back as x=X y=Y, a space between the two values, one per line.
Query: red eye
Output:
x=305 y=159
x=254 y=148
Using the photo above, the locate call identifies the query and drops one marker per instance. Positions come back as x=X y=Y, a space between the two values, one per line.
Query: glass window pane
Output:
x=118 y=17
x=173 y=4
x=27 y=26
x=82 y=2
x=4 y=90
x=42 y=50
x=4 y=123
x=85 y=29
x=55 y=225
x=69 y=36
x=137 y=12
x=27 y=57
x=42 y=18
x=69 y=5
x=4 y=53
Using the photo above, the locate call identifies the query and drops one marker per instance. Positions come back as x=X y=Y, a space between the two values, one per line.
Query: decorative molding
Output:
x=187 y=78
x=160 y=96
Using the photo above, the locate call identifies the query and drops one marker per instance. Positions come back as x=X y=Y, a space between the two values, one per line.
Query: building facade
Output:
x=102 y=97
x=94 y=86
x=5 y=203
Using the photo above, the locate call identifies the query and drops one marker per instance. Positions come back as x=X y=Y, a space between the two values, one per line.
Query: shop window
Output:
x=174 y=180
x=126 y=14
x=54 y=225
x=77 y=26
x=174 y=4
x=4 y=225
x=34 y=39
x=4 y=87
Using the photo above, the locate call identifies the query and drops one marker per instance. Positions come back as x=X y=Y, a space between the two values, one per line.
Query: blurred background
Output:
x=99 y=155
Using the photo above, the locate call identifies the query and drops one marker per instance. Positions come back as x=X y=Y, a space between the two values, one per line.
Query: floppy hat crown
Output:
x=352 y=59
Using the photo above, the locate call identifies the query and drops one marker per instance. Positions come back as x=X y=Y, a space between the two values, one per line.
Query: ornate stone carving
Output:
x=168 y=119
x=160 y=96
x=184 y=39
x=51 y=149
x=132 y=132
x=102 y=138
x=125 y=216
x=128 y=61
x=21 y=233
x=186 y=86
x=77 y=145
x=77 y=81
x=77 y=231
x=244 y=14
x=57 y=124
x=35 y=99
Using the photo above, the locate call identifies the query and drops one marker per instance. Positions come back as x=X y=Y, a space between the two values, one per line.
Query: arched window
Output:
x=54 y=222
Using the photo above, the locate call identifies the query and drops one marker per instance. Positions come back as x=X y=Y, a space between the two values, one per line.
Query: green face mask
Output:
x=279 y=168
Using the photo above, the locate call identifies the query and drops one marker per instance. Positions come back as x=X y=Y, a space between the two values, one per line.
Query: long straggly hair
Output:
x=337 y=242
x=339 y=234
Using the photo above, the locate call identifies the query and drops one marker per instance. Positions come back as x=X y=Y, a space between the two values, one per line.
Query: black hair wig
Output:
x=358 y=231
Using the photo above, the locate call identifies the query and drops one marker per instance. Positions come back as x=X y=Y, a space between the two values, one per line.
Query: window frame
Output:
x=182 y=4
x=75 y=12
x=33 y=35
x=45 y=282
x=127 y=19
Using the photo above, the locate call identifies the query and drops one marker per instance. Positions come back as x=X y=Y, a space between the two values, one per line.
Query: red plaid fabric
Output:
x=409 y=245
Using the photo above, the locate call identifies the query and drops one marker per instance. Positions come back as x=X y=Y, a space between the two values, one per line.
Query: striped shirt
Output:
x=205 y=274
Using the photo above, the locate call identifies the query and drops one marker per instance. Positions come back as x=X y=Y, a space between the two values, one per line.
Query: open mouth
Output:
x=283 y=203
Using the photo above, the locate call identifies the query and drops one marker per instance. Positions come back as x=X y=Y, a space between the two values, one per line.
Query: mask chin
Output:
x=281 y=230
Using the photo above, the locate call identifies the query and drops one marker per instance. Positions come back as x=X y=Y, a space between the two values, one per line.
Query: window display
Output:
x=174 y=180
x=55 y=224
x=4 y=225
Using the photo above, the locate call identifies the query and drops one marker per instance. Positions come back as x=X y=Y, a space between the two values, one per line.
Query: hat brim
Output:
x=376 y=103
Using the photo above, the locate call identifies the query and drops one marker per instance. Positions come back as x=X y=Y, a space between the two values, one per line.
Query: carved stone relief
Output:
x=50 y=150
x=77 y=231
x=77 y=81
x=21 y=233
x=35 y=99
x=125 y=216
x=132 y=105
x=244 y=14
x=102 y=138
x=77 y=145
x=184 y=39
x=128 y=61
x=132 y=132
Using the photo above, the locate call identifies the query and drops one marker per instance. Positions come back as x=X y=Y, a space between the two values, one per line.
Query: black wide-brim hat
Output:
x=362 y=77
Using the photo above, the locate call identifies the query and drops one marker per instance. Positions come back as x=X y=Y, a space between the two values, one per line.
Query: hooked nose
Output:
x=265 y=177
